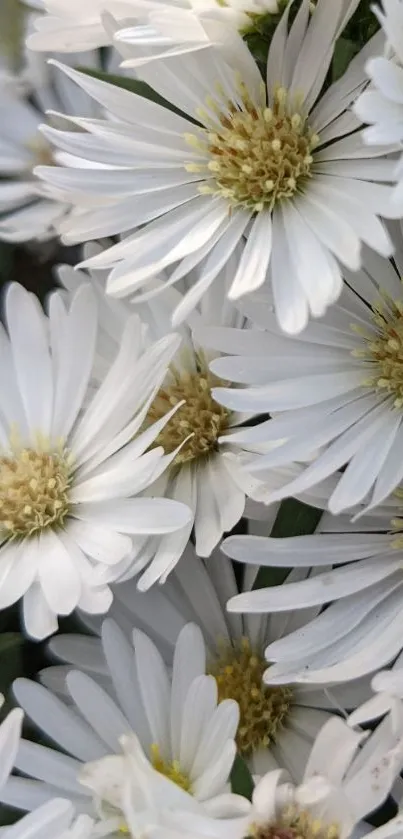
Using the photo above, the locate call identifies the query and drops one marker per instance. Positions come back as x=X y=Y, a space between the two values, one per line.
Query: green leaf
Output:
x=8 y=641
x=134 y=86
x=294 y=518
x=8 y=815
x=11 y=664
x=241 y=779
x=344 y=51
x=7 y=252
x=362 y=25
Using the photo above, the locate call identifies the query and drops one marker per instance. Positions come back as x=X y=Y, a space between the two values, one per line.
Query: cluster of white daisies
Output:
x=201 y=433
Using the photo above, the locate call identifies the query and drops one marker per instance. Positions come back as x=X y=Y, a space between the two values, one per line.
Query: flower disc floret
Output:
x=170 y=768
x=34 y=491
x=258 y=156
x=293 y=823
x=199 y=416
x=384 y=349
x=239 y=675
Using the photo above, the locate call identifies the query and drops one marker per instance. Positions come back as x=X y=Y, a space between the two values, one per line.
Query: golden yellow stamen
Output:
x=257 y=155
x=34 y=491
x=200 y=416
x=384 y=349
x=171 y=769
x=239 y=672
x=294 y=823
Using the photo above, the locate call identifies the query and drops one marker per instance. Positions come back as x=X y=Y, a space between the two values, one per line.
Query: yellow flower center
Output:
x=384 y=349
x=256 y=156
x=34 y=492
x=171 y=769
x=239 y=675
x=200 y=416
x=294 y=823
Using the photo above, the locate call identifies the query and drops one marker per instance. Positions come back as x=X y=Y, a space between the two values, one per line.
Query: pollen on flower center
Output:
x=171 y=769
x=257 y=156
x=200 y=416
x=293 y=823
x=384 y=349
x=34 y=491
x=239 y=675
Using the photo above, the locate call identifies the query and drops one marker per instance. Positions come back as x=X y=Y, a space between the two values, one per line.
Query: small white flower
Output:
x=272 y=165
x=208 y=473
x=71 y=458
x=335 y=392
x=381 y=105
x=28 y=89
x=147 y=800
x=168 y=30
x=186 y=734
x=27 y=211
x=342 y=784
x=278 y=725
x=360 y=630
x=69 y=25
x=347 y=777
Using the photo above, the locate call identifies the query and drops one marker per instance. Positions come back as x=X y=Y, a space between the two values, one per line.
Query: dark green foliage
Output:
x=294 y=518
x=241 y=779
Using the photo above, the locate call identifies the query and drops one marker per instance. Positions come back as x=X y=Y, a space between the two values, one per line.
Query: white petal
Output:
x=58 y=721
x=10 y=733
x=27 y=330
x=57 y=574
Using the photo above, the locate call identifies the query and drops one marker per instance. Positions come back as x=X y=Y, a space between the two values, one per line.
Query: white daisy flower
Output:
x=72 y=460
x=55 y=819
x=10 y=734
x=273 y=163
x=278 y=725
x=335 y=391
x=347 y=777
x=208 y=473
x=169 y=30
x=360 y=630
x=148 y=800
x=186 y=733
x=70 y=26
x=26 y=211
x=381 y=105
x=145 y=799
